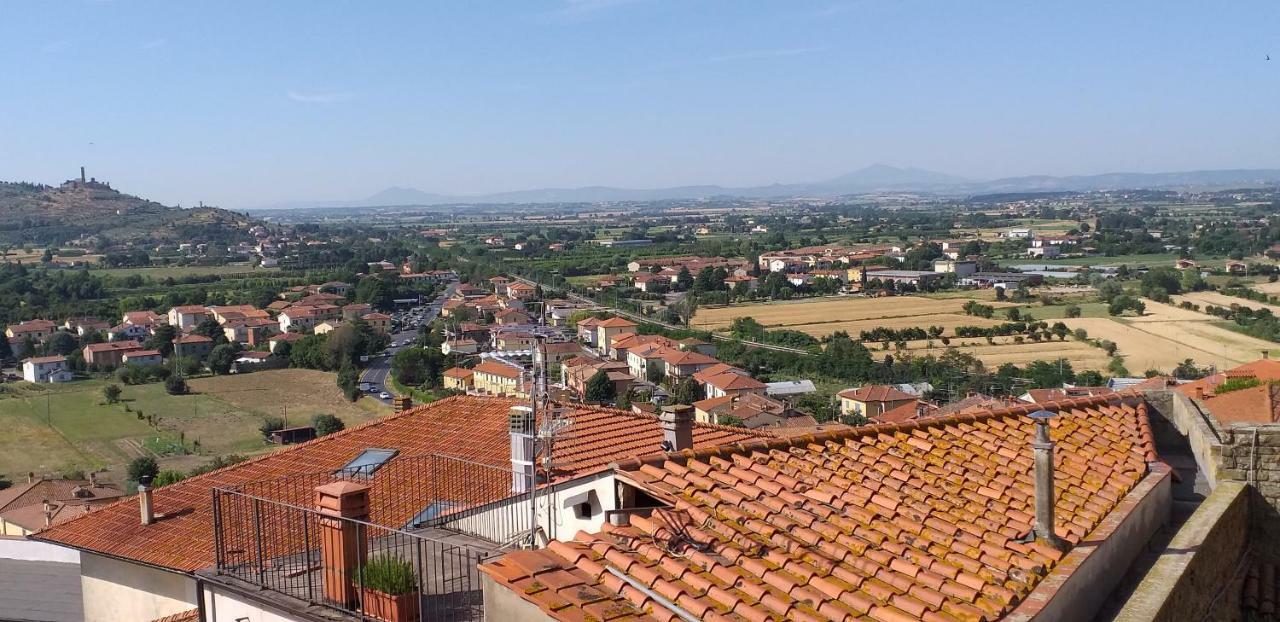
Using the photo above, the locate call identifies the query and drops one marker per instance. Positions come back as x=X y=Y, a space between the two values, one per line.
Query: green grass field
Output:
x=1058 y=312
x=53 y=428
x=181 y=271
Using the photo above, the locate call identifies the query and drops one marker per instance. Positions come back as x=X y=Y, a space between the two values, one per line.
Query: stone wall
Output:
x=1197 y=577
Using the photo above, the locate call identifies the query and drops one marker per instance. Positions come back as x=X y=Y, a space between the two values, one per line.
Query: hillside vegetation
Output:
x=46 y=214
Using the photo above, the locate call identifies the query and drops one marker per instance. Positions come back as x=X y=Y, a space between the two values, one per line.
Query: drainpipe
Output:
x=1043 y=447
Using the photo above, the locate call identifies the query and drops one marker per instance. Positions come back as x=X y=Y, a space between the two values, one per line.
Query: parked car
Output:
x=384 y=395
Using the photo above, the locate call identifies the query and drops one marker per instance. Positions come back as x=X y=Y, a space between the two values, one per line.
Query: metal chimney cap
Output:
x=1043 y=414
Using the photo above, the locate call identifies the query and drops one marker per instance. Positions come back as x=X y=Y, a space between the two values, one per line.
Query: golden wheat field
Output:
x=830 y=310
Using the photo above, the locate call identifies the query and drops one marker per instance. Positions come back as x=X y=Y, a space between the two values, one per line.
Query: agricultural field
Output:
x=1006 y=350
x=1222 y=300
x=824 y=316
x=52 y=428
x=1168 y=335
x=1268 y=288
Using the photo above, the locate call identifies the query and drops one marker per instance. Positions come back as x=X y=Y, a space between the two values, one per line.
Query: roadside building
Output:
x=356 y=310
x=459 y=378
x=46 y=369
x=493 y=377
x=379 y=322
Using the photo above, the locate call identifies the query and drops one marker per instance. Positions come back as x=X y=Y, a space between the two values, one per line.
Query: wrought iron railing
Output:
x=438 y=515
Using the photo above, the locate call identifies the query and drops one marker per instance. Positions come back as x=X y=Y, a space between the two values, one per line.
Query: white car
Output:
x=384 y=395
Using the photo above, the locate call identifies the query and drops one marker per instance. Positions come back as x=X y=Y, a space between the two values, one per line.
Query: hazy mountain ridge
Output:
x=875 y=178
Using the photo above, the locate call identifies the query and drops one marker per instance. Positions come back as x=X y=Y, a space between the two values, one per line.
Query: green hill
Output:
x=47 y=214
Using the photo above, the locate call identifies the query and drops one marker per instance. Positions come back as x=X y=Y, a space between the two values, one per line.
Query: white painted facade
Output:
x=115 y=590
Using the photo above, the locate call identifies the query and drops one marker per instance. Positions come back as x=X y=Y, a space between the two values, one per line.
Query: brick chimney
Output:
x=343 y=543
x=1200 y=393
x=677 y=427
x=521 y=426
x=31 y=477
x=1045 y=494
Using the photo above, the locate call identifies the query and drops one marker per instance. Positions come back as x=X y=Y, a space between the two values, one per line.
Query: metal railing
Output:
x=290 y=550
x=442 y=515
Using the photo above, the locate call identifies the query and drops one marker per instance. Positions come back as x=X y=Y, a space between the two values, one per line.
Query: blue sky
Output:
x=248 y=103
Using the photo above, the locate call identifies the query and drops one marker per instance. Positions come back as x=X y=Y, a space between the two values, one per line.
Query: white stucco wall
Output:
x=16 y=547
x=556 y=511
x=223 y=606
x=114 y=590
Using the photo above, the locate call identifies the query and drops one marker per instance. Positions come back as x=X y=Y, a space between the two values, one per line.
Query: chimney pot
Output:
x=1200 y=393
x=145 y=507
x=677 y=427
x=1045 y=494
x=31 y=477
x=93 y=479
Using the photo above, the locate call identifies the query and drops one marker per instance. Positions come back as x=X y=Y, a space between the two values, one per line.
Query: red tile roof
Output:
x=891 y=522
x=186 y=616
x=730 y=380
x=876 y=393
x=458 y=372
x=502 y=370
x=475 y=428
x=1260 y=404
x=616 y=322
x=40 y=360
x=193 y=338
x=1264 y=369
x=112 y=345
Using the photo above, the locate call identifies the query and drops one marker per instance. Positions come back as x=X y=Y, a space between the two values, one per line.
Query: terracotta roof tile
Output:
x=911 y=521
x=475 y=428
x=876 y=393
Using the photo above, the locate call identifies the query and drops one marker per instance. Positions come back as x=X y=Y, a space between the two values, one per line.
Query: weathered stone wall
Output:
x=1197 y=577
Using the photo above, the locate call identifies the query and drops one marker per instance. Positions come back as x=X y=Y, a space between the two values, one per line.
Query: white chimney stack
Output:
x=523 y=454
x=145 y=507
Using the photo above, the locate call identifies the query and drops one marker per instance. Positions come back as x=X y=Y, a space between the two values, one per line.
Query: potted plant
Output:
x=389 y=589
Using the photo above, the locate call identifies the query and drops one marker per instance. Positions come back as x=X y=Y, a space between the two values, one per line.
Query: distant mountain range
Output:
x=872 y=179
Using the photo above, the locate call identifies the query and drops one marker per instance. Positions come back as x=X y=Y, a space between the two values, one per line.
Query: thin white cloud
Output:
x=320 y=98
x=762 y=54
x=154 y=43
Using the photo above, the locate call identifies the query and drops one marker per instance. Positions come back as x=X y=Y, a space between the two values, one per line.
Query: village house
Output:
x=148 y=319
x=326 y=327
x=459 y=346
x=732 y=384
x=109 y=354
x=250 y=331
x=192 y=346
x=493 y=377
x=521 y=291
x=39 y=503
x=143 y=358
x=126 y=332
x=36 y=330
x=609 y=328
x=872 y=400
x=274 y=341
x=356 y=310
x=297 y=319
x=187 y=318
x=46 y=369
x=82 y=326
x=459 y=379
x=379 y=322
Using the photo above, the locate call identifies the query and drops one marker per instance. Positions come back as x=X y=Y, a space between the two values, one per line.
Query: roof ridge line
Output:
x=656 y=459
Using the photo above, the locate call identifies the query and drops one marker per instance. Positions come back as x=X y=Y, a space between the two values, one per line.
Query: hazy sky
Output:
x=248 y=103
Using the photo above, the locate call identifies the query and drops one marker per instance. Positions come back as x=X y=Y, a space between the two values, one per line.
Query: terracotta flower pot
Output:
x=389 y=607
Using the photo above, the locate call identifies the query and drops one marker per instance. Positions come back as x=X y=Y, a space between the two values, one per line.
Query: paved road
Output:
x=380 y=367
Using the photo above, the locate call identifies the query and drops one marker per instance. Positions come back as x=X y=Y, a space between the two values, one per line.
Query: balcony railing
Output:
x=435 y=516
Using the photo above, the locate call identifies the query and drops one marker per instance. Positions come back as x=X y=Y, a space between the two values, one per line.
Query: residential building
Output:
x=510 y=317
x=1040 y=396
x=222 y=314
x=109 y=354
x=40 y=503
x=521 y=291
x=832 y=535
x=608 y=328
x=190 y=556
x=459 y=379
x=37 y=330
x=679 y=365
x=379 y=322
x=85 y=325
x=731 y=383
x=192 y=346
x=588 y=332
x=326 y=327
x=356 y=310
x=149 y=319
x=1048 y=251
x=872 y=400
x=274 y=341
x=459 y=346
x=142 y=358
x=494 y=377
x=125 y=332
x=187 y=318
x=251 y=331
x=46 y=369
x=960 y=268
x=297 y=319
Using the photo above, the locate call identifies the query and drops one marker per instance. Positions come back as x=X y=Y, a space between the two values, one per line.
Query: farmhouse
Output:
x=46 y=369
x=187 y=318
x=110 y=354
x=37 y=330
x=872 y=400
x=143 y=358
x=192 y=346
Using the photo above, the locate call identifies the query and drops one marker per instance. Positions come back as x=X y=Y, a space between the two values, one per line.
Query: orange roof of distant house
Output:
x=375 y=316
x=892 y=522
x=518 y=286
x=616 y=322
x=876 y=393
x=190 y=309
x=1260 y=404
x=112 y=345
x=474 y=428
x=678 y=357
x=133 y=354
x=715 y=370
x=192 y=338
x=502 y=370
x=41 y=360
x=713 y=403
x=31 y=326
x=905 y=412
x=731 y=381
x=459 y=372
x=286 y=337
x=1264 y=369
x=1038 y=396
